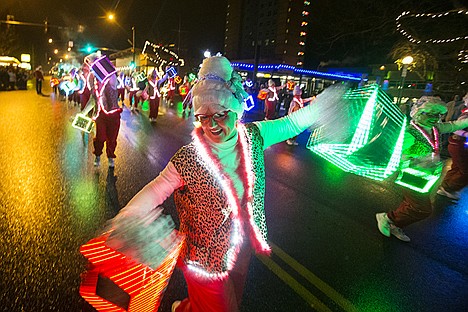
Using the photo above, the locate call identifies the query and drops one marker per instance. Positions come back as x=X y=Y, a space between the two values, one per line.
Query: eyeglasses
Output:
x=216 y=117
x=432 y=115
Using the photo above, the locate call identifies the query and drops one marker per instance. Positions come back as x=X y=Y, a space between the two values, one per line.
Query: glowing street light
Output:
x=110 y=17
x=207 y=53
x=50 y=40
x=56 y=51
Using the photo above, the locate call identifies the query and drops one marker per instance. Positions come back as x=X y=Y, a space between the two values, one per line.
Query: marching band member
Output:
x=121 y=86
x=271 y=100
x=296 y=104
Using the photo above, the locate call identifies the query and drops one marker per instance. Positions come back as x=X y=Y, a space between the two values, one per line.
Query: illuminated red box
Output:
x=114 y=282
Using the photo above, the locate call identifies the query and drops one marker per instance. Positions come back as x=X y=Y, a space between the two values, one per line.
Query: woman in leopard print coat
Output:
x=218 y=181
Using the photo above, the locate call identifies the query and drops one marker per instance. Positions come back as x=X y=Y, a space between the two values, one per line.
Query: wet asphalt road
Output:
x=327 y=252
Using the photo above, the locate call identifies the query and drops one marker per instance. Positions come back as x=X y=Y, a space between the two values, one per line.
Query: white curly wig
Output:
x=428 y=104
x=219 y=87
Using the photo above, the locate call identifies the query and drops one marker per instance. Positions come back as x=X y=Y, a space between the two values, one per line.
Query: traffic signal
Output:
x=89 y=48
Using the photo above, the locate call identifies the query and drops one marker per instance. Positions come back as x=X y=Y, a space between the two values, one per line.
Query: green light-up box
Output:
x=83 y=123
x=366 y=138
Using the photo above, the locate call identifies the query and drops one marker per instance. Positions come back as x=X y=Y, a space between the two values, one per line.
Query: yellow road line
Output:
x=313 y=279
x=295 y=285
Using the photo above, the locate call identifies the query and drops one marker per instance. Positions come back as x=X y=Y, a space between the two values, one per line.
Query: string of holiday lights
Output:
x=411 y=38
x=157 y=49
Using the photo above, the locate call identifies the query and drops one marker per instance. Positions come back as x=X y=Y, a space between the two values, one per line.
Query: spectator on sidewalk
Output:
x=39 y=75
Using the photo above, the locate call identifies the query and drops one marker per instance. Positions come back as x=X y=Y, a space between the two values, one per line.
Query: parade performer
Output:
x=132 y=90
x=121 y=86
x=420 y=151
x=457 y=177
x=152 y=90
x=87 y=86
x=140 y=95
x=170 y=86
x=218 y=182
x=271 y=100
x=107 y=119
x=296 y=104
x=54 y=83
x=184 y=89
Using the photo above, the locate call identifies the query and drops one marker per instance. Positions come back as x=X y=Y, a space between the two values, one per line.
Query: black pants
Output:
x=39 y=86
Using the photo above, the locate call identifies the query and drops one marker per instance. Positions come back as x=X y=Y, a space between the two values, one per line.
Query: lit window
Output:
x=305 y=13
x=302 y=43
x=299 y=63
x=286 y=41
x=300 y=53
x=306 y=2
x=304 y=24
x=287 y=31
x=303 y=33
x=284 y=52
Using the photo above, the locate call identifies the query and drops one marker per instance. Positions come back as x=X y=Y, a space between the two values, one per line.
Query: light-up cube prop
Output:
x=417 y=180
x=249 y=103
x=116 y=281
x=140 y=76
x=102 y=67
x=171 y=72
x=365 y=135
x=67 y=86
x=83 y=123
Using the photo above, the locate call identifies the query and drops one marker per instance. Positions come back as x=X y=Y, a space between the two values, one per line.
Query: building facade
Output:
x=267 y=31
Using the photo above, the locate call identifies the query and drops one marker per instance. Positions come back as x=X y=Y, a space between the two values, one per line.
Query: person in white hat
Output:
x=297 y=103
x=218 y=181
x=457 y=177
x=420 y=151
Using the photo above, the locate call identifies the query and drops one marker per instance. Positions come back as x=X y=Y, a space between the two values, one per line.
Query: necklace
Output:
x=434 y=144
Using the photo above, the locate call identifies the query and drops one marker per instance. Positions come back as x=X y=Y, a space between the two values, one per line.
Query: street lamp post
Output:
x=133 y=44
x=404 y=71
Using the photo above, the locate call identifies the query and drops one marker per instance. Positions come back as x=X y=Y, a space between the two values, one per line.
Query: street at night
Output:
x=327 y=253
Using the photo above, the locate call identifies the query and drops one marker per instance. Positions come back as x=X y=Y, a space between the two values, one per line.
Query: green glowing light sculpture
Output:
x=366 y=135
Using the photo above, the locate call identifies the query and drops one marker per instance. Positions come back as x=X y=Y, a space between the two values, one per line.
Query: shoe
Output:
x=97 y=161
x=398 y=233
x=444 y=192
x=289 y=142
x=383 y=223
x=175 y=305
x=111 y=162
x=295 y=143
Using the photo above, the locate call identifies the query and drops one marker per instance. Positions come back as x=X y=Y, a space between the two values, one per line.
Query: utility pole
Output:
x=133 y=45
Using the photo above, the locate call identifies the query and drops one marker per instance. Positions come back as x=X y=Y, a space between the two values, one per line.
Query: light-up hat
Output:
x=219 y=88
x=297 y=90
x=428 y=104
x=101 y=66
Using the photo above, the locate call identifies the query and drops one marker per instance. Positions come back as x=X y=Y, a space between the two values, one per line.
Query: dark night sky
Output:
x=345 y=32
x=201 y=23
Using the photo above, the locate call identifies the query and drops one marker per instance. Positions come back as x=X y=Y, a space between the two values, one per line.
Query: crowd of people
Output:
x=13 y=78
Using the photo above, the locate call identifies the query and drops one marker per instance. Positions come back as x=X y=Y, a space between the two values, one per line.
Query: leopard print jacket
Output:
x=201 y=200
